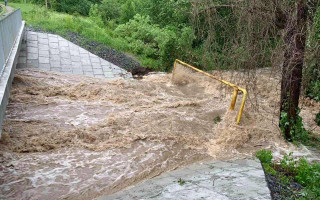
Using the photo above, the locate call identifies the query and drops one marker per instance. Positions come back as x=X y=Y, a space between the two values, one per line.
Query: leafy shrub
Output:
x=265 y=156
x=308 y=175
x=314 y=90
x=109 y=10
x=132 y=7
x=150 y=40
x=297 y=130
x=301 y=171
x=288 y=162
x=313 y=74
x=73 y=6
x=164 y=12
x=95 y=15
x=68 y=6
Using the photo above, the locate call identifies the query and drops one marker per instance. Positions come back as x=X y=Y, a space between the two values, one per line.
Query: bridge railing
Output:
x=9 y=30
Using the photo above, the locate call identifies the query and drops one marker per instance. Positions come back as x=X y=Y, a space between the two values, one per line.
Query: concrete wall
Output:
x=11 y=34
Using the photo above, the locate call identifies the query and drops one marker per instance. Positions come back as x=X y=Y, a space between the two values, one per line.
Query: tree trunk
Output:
x=295 y=39
x=46 y=3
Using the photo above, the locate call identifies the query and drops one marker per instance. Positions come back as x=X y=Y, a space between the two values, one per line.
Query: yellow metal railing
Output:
x=236 y=88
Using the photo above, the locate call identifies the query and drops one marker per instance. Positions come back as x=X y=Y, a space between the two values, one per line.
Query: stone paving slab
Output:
x=214 y=180
x=51 y=52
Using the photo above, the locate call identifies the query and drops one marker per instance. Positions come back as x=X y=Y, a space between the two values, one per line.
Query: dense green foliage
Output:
x=313 y=89
x=313 y=60
x=305 y=173
x=68 y=6
x=299 y=134
x=152 y=41
x=265 y=156
x=297 y=131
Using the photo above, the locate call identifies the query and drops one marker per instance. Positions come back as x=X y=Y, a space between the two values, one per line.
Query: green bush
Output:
x=314 y=90
x=95 y=15
x=308 y=175
x=265 y=156
x=164 y=12
x=312 y=71
x=110 y=9
x=132 y=7
x=301 y=171
x=297 y=130
x=68 y=6
x=150 y=40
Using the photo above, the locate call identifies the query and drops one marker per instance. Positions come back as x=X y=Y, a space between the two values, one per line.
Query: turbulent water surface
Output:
x=75 y=137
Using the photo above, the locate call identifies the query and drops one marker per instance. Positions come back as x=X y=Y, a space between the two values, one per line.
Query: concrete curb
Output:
x=8 y=75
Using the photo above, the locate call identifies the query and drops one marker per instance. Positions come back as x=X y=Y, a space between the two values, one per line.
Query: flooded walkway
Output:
x=213 y=180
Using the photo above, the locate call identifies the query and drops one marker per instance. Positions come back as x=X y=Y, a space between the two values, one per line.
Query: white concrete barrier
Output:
x=11 y=34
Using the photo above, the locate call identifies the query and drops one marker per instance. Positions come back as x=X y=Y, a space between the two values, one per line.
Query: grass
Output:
x=3 y=10
x=61 y=24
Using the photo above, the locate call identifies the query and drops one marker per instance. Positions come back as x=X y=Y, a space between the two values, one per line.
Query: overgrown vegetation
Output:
x=265 y=156
x=2 y=10
x=298 y=133
x=290 y=171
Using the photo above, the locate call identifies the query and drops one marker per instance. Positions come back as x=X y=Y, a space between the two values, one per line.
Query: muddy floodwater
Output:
x=76 y=137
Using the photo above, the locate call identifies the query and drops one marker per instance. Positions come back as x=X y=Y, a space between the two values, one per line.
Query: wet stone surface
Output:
x=239 y=179
x=49 y=52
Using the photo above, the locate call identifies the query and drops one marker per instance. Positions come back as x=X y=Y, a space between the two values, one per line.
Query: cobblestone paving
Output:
x=216 y=180
x=50 y=52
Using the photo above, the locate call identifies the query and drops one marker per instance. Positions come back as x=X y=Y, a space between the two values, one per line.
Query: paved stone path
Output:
x=215 y=180
x=50 y=52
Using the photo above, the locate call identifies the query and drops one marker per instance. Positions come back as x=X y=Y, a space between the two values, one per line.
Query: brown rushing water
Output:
x=76 y=137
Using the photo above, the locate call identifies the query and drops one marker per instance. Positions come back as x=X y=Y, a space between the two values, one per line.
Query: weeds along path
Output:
x=77 y=137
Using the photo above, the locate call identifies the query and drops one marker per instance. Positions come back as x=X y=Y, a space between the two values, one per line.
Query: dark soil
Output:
x=281 y=190
x=114 y=56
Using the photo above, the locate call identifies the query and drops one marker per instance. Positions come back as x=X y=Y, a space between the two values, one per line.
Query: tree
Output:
x=250 y=32
x=295 y=40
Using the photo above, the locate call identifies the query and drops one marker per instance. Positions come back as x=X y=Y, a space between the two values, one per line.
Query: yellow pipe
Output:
x=242 y=105
x=235 y=92
x=234 y=98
